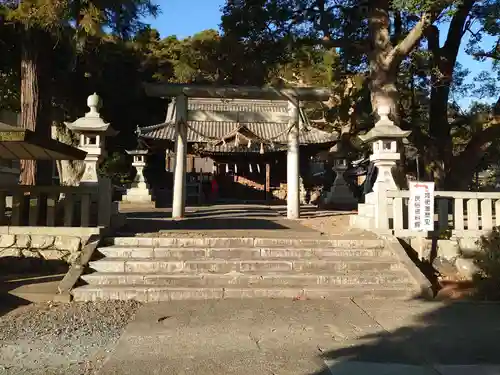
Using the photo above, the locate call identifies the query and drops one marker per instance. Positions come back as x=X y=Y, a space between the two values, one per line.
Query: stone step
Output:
x=168 y=293
x=186 y=253
x=164 y=265
x=235 y=242
x=248 y=280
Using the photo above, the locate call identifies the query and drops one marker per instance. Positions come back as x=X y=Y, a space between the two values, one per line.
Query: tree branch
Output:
x=403 y=48
x=493 y=54
x=479 y=142
x=457 y=30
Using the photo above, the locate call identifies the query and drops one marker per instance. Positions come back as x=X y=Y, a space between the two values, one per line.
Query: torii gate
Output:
x=182 y=92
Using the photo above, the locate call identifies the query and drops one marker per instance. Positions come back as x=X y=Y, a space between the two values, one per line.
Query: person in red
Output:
x=214 y=191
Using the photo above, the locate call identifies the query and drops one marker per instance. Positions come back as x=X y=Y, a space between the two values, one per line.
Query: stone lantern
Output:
x=139 y=192
x=340 y=195
x=384 y=137
x=92 y=131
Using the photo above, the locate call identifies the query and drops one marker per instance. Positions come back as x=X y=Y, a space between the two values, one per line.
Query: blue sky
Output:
x=187 y=17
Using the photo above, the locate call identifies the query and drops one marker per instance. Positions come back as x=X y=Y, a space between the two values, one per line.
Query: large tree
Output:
x=376 y=39
x=40 y=25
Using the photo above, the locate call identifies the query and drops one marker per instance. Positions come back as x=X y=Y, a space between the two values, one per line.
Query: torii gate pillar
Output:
x=292 y=165
x=179 y=193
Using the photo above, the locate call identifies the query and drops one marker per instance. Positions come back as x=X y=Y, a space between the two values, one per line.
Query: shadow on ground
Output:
x=135 y=225
x=204 y=218
x=207 y=212
x=23 y=279
x=452 y=334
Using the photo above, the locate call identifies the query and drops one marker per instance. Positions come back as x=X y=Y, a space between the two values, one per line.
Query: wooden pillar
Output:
x=190 y=167
x=179 y=193
x=268 y=181
x=169 y=166
x=292 y=165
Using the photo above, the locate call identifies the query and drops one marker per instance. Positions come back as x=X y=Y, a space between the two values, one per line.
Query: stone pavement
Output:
x=285 y=337
x=240 y=221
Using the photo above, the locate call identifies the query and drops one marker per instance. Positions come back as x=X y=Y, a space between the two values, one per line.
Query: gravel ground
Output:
x=53 y=339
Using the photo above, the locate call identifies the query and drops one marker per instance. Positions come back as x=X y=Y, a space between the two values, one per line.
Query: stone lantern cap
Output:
x=384 y=129
x=384 y=132
x=137 y=152
x=92 y=121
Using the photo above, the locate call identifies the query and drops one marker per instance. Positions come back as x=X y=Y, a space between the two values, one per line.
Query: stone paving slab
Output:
x=371 y=368
x=235 y=337
x=375 y=337
x=468 y=370
x=446 y=333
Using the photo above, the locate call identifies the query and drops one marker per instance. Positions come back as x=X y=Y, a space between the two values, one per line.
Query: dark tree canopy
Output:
x=405 y=53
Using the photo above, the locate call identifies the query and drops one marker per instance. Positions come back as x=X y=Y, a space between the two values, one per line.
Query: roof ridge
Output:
x=238 y=101
x=154 y=127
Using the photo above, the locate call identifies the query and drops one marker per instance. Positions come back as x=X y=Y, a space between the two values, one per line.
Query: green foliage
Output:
x=117 y=167
x=298 y=39
x=122 y=17
x=82 y=58
x=103 y=46
x=487 y=260
x=9 y=72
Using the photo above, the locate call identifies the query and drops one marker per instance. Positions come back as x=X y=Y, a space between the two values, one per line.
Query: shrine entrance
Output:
x=245 y=138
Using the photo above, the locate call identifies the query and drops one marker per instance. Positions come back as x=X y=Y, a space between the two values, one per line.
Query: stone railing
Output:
x=56 y=206
x=460 y=213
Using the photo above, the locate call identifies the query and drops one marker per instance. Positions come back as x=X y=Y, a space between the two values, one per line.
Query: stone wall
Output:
x=43 y=247
x=454 y=253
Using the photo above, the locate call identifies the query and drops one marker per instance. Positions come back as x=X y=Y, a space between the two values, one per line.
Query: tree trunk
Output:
x=70 y=171
x=35 y=99
x=385 y=92
x=443 y=64
x=383 y=74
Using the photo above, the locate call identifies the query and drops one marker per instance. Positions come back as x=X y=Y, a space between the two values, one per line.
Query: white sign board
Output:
x=421 y=206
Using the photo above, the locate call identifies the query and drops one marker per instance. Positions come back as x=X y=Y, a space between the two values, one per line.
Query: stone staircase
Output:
x=177 y=268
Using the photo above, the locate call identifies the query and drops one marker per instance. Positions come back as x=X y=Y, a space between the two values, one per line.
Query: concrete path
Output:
x=284 y=337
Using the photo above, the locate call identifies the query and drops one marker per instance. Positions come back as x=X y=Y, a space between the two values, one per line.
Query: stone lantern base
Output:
x=139 y=193
x=365 y=219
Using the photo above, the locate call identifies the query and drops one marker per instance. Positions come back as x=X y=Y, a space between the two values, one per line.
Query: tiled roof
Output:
x=237 y=105
x=212 y=131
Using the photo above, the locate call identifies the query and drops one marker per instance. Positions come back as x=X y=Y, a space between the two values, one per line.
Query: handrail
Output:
x=448 y=194
x=469 y=214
